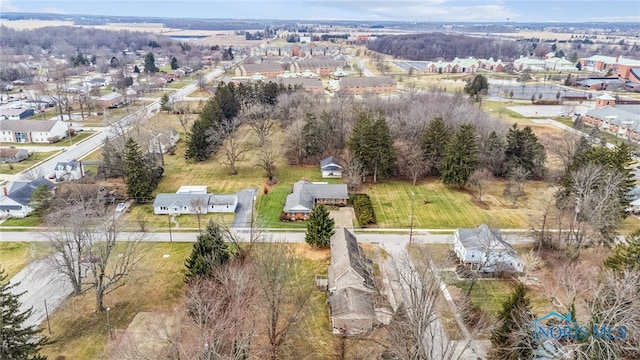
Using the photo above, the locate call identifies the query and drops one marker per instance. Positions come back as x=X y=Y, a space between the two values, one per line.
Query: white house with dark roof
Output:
x=307 y=194
x=330 y=167
x=351 y=286
x=192 y=200
x=16 y=114
x=32 y=131
x=68 y=170
x=16 y=197
x=485 y=249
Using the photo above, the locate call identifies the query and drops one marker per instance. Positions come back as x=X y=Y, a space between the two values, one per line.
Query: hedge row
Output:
x=364 y=209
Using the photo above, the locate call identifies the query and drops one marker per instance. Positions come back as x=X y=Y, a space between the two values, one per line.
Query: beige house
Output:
x=351 y=286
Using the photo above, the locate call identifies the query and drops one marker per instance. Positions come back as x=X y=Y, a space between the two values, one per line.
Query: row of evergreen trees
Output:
x=206 y=133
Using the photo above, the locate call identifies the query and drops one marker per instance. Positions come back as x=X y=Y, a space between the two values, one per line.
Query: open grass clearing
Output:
x=437 y=206
x=16 y=255
x=34 y=159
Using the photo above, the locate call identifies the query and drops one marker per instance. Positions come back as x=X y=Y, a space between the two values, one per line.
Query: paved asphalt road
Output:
x=285 y=235
x=246 y=202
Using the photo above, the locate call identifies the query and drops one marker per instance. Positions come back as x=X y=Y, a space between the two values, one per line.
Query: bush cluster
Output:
x=364 y=209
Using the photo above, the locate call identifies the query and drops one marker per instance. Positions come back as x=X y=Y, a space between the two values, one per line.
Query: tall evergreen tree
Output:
x=165 y=102
x=198 y=145
x=226 y=99
x=16 y=341
x=477 y=87
x=434 y=140
x=41 y=200
x=174 y=63
x=492 y=154
x=150 y=64
x=626 y=255
x=208 y=252
x=371 y=144
x=511 y=340
x=460 y=158
x=320 y=227
x=523 y=150
x=139 y=177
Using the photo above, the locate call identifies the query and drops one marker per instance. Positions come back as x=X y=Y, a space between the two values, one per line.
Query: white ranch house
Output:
x=194 y=200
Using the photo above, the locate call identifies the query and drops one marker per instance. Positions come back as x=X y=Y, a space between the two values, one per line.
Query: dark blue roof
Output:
x=23 y=194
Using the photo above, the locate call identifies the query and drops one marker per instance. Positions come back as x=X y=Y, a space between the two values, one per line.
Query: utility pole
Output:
x=170 y=236
x=413 y=198
x=46 y=311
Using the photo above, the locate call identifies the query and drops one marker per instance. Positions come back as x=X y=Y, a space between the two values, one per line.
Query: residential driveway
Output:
x=246 y=202
x=40 y=282
x=343 y=217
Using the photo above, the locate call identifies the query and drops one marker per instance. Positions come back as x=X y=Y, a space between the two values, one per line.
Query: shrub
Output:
x=363 y=209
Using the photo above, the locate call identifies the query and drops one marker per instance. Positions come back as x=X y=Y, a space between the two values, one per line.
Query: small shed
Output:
x=330 y=167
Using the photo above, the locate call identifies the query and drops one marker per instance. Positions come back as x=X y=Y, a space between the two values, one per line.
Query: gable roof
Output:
x=483 y=237
x=9 y=152
x=22 y=194
x=28 y=125
x=186 y=199
x=67 y=165
x=367 y=81
x=305 y=192
x=345 y=255
x=351 y=300
x=330 y=163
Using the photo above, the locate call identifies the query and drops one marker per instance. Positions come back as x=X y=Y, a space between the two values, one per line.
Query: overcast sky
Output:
x=375 y=10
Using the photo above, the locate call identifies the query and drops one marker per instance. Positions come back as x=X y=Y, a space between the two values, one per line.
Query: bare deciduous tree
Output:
x=354 y=172
x=184 y=116
x=283 y=295
x=409 y=160
x=260 y=118
x=415 y=332
x=479 y=181
x=514 y=189
x=233 y=148
x=268 y=155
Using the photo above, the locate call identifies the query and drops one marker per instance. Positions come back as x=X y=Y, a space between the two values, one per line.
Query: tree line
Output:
x=431 y=46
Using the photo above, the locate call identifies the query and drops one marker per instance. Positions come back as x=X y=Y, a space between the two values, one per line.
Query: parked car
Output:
x=561 y=113
x=121 y=207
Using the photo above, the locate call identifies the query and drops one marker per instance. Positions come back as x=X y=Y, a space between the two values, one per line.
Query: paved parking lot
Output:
x=549 y=110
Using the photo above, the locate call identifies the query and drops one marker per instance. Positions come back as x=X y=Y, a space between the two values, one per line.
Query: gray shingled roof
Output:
x=346 y=254
x=304 y=193
x=305 y=83
x=262 y=67
x=623 y=113
x=483 y=237
x=27 y=125
x=182 y=200
x=351 y=300
x=325 y=164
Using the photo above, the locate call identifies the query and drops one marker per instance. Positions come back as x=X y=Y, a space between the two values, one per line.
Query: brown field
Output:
x=33 y=24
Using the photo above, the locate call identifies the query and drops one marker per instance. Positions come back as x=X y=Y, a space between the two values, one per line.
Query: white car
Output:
x=561 y=113
x=121 y=207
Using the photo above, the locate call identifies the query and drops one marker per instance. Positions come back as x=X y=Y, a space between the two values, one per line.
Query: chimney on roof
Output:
x=4 y=191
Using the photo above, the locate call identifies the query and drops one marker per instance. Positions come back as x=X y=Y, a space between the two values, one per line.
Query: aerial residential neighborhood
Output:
x=452 y=180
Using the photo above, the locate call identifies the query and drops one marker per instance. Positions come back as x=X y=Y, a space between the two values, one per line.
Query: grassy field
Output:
x=16 y=255
x=80 y=333
x=34 y=159
x=445 y=208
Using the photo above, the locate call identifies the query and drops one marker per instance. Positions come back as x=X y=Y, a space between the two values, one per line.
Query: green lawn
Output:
x=33 y=160
x=446 y=208
x=16 y=255
x=27 y=221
